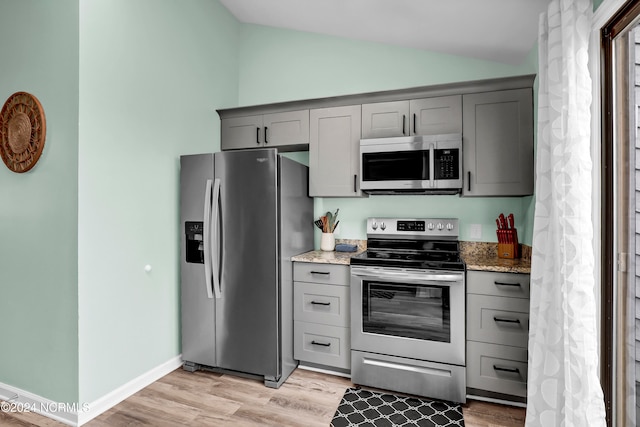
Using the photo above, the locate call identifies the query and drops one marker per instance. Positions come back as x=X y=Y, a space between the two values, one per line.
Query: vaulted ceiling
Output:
x=495 y=30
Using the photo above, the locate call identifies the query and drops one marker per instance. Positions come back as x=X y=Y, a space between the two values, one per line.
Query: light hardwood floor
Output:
x=209 y=399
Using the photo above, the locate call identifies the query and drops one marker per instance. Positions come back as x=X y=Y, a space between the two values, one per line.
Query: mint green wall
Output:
x=152 y=73
x=38 y=209
x=282 y=65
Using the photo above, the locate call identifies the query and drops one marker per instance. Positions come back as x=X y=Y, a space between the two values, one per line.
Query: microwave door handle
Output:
x=432 y=166
x=426 y=162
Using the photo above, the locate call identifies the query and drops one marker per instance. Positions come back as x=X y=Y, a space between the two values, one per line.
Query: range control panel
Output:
x=410 y=225
x=415 y=227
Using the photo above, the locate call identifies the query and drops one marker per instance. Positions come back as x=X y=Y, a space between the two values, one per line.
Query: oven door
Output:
x=418 y=314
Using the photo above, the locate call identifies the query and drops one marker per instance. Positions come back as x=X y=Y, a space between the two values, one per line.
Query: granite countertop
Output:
x=483 y=256
x=325 y=257
x=332 y=257
x=480 y=256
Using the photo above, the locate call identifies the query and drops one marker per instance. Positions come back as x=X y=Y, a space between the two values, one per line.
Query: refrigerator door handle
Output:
x=205 y=236
x=215 y=239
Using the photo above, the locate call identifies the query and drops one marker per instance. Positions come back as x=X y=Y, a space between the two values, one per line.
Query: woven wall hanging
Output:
x=22 y=131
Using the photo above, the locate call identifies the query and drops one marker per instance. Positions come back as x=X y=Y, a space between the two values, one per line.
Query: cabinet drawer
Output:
x=319 y=303
x=498 y=320
x=321 y=273
x=411 y=376
x=497 y=368
x=499 y=284
x=322 y=344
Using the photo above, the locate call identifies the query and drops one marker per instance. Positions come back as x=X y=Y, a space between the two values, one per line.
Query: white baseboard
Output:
x=74 y=414
x=17 y=400
x=111 y=399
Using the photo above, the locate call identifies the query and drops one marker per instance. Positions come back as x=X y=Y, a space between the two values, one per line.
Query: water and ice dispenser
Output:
x=195 y=245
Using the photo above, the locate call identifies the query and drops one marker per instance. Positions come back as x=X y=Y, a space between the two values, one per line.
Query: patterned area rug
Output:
x=367 y=408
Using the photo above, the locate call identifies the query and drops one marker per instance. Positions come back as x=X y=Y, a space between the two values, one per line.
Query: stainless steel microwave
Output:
x=426 y=164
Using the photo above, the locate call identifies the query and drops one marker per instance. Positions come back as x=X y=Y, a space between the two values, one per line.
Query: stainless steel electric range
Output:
x=408 y=308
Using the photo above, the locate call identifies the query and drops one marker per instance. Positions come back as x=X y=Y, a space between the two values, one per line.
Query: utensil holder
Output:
x=508 y=246
x=327 y=242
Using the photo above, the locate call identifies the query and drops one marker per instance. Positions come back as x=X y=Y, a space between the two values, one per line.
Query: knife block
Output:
x=508 y=246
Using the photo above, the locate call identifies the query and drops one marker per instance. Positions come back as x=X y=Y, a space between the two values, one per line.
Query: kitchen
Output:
x=86 y=216
x=426 y=273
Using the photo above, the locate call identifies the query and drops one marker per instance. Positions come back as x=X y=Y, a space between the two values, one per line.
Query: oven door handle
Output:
x=380 y=275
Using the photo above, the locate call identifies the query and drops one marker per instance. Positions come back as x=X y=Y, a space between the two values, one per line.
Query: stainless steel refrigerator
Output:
x=243 y=215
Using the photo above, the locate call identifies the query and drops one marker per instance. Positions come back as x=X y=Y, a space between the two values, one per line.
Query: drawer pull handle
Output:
x=502 y=319
x=506 y=369
x=326 y=273
x=320 y=303
x=506 y=284
x=323 y=344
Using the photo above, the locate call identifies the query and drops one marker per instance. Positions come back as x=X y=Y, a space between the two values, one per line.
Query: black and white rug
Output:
x=360 y=408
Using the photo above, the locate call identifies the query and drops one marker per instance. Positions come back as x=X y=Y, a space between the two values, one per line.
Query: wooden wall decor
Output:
x=22 y=131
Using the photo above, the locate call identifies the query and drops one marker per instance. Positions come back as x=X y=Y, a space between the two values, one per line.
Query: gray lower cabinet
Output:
x=497 y=334
x=334 y=150
x=321 y=315
x=288 y=129
x=426 y=116
x=498 y=143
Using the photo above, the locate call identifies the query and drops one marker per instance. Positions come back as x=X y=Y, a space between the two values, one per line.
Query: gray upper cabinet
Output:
x=494 y=116
x=426 y=116
x=498 y=143
x=240 y=132
x=385 y=119
x=334 y=147
x=290 y=128
x=286 y=129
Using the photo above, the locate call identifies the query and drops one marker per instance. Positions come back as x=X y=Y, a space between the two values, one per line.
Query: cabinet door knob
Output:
x=404 y=119
x=265 y=135
x=257 y=135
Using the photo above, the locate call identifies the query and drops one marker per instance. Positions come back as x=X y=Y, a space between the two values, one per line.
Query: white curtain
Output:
x=563 y=384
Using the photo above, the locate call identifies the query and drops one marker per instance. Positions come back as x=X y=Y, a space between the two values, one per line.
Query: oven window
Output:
x=411 y=311
x=396 y=166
